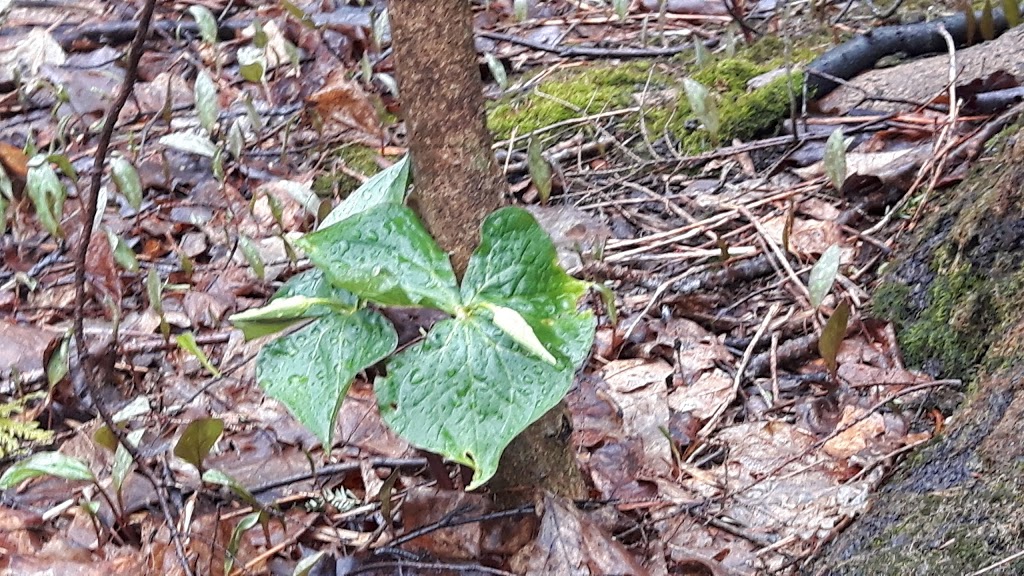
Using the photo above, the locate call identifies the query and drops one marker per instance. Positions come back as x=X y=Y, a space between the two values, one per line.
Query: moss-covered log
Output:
x=958 y=506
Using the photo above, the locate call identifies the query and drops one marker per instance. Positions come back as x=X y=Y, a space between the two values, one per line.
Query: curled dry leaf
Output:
x=346 y=107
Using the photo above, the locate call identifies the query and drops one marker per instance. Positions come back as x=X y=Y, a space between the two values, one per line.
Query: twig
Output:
x=574 y=51
x=947 y=131
x=738 y=379
x=944 y=146
x=951 y=48
x=586 y=149
x=454 y=519
x=400 y=567
x=616 y=249
x=786 y=353
x=998 y=564
x=135 y=51
x=317 y=474
x=779 y=253
x=563 y=123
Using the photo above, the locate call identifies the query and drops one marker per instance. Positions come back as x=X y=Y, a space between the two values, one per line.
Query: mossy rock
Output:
x=743 y=114
x=571 y=94
x=956 y=296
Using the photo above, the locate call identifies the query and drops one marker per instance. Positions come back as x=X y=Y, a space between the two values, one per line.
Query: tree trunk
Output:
x=957 y=298
x=458 y=183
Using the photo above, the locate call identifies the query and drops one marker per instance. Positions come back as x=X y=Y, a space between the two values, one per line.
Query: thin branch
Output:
x=91 y=201
x=587 y=52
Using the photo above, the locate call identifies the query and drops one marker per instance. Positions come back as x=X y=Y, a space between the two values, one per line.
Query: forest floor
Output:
x=736 y=417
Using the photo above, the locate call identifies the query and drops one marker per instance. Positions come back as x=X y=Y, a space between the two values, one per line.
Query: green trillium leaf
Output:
x=386 y=256
x=516 y=267
x=386 y=187
x=466 y=391
x=512 y=323
x=305 y=295
x=310 y=370
x=46 y=464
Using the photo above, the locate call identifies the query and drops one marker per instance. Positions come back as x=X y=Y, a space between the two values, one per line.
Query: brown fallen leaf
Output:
x=570 y=543
x=23 y=348
x=858 y=436
x=15 y=165
x=346 y=107
x=425 y=506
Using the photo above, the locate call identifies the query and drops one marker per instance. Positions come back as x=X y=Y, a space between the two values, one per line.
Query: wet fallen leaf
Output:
x=346 y=107
x=570 y=543
x=807 y=237
x=425 y=506
x=23 y=348
x=639 y=388
x=858 y=436
x=702 y=397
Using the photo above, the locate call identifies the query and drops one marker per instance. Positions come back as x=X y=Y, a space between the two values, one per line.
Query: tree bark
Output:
x=958 y=505
x=457 y=184
x=457 y=180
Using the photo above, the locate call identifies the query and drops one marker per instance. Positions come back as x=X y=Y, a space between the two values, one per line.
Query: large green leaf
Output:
x=313 y=284
x=385 y=255
x=386 y=187
x=516 y=266
x=310 y=370
x=512 y=323
x=305 y=295
x=466 y=391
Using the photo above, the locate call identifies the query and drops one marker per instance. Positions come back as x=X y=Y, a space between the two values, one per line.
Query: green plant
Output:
x=193 y=446
x=702 y=103
x=506 y=354
x=835 y=158
x=14 y=434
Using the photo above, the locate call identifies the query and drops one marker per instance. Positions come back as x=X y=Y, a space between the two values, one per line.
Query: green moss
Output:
x=729 y=75
x=742 y=114
x=955 y=328
x=929 y=537
x=571 y=94
x=338 y=180
x=968 y=317
x=1008 y=297
x=891 y=302
x=770 y=49
x=964 y=315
